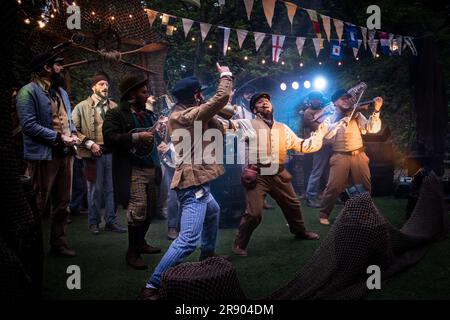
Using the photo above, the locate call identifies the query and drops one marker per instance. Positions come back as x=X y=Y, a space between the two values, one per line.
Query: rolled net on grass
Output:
x=211 y=279
x=361 y=237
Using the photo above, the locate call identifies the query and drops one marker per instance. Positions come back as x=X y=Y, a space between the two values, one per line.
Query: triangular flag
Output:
x=409 y=42
x=339 y=25
x=169 y=30
x=356 y=50
x=277 y=46
x=373 y=44
x=259 y=37
x=384 y=43
x=221 y=4
x=187 y=25
x=300 y=42
x=248 y=7
x=165 y=19
x=269 y=7
x=336 y=50
x=326 y=25
x=364 y=34
x=151 y=14
x=226 y=38
x=315 y=21
x=204 y=28
x=399 y=44
x=371 y=34
x=241 y=35
x=291 y=9
x=352 y=40
x=318 y=44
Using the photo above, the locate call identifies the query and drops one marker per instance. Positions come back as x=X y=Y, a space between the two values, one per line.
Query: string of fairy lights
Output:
x=51 y=10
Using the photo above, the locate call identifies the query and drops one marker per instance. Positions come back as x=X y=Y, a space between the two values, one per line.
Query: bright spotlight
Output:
x=307 y=84
x=320 y=83
x=295 y=85
x=283 y=86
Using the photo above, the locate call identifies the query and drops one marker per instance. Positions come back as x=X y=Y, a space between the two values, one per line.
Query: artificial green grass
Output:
x=274 y=258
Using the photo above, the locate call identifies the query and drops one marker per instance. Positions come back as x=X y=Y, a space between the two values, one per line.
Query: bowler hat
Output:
x=256 y=97
x=187 y=87
x=129 y=83
x=339 y=94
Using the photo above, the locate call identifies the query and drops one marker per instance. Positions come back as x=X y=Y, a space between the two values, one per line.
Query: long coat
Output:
x=117 y=137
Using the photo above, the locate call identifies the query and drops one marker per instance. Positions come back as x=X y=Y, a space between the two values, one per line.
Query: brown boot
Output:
x=148 y=249
x=239 y=251
x=307 y=235
x=134 y=260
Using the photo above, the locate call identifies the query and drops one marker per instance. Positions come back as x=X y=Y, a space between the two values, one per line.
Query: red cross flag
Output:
x=277 y=46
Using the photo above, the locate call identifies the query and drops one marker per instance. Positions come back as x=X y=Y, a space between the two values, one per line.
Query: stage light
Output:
x=377 y=55
x=320 y=83
x=295 y=85
x=41 y=24
x=27 y=21
x=263 y=61
x=307 y=84
x=210 y=46
x=357 y=58
x=283 y=86
x=339 y=63
x=301 y=64
x=320 y=62
x=193 y=38
x=245 y=58
x=282 y=63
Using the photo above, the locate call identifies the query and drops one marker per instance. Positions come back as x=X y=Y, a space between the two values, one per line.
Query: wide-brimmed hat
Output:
x=42 y=59
x=256 y=97
x=129 y=83
x=187 y=87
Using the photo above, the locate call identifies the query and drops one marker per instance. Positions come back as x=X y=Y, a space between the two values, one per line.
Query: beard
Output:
x=57 y=81
x=102 y=94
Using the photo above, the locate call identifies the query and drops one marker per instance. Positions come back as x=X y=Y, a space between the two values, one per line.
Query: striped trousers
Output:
x=199 y=225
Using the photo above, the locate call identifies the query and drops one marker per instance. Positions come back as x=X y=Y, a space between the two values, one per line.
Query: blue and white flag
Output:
x=352 y=36
x=336 y=50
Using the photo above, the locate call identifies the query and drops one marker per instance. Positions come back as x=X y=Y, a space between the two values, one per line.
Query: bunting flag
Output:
x=277 y=46
x=259 y=37
x=336 y=50
x=373 y=44
x=339 y=25
x=241 y=35
x=169 y=29
x=364 y=35
x=384 y=43
x=226 y=38
x=291 y=10
x=165 y=19
x=300 y=42
x=318 y=45
x=151 y=14
x=248 y=7
x=371 y=34
x=204 y=28
x=221 y=4
x=409 y=43
x=352 y=36
x=315 y=21
x=269 y=7
x=397 y=44
x=356 y=50
x=326 y=26
x=187 y=25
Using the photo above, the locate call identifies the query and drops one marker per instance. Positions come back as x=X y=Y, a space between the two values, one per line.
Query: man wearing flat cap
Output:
x=135 y=175
x=266 y=173
x=49 y=137
x=88 y=117
x=349 y=164
x=200 y=211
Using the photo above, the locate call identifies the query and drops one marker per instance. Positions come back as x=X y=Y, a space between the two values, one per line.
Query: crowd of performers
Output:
x=126 y=153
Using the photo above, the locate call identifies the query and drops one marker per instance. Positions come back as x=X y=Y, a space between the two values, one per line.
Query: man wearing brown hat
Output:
x=266 y=173
x=349 y=164
x=88 y=117
x=135 y=175
x=49 y=140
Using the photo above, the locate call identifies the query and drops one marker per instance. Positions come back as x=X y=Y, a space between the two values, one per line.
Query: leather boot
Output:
x=133 y=257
